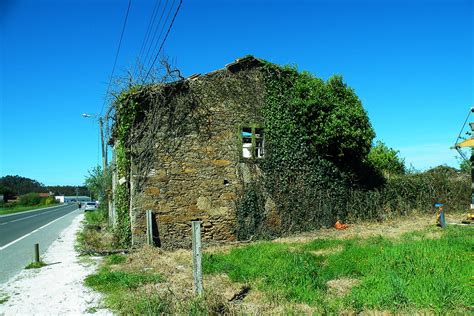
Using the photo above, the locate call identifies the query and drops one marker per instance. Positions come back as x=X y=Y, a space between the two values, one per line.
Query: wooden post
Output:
x=197 y=264
x=149 y=228
x=37 y=253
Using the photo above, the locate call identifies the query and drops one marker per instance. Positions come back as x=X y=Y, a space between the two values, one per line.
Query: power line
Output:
x=463 y=125
x=164 y=40
x=147 y=35
x=155 y=32
x=116 y=57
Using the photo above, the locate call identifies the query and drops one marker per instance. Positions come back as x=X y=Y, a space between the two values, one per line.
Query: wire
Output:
x=155 y=32
x=161 y=32
x=116 y=56
x=463 y=125
x=164 y=40
x=147 y=34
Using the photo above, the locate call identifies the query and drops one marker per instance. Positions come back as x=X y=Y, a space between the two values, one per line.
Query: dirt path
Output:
x=56 y=289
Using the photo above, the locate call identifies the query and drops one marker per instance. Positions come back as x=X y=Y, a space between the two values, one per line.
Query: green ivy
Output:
x=317 y=138
x=251 y=213
x=126 y=114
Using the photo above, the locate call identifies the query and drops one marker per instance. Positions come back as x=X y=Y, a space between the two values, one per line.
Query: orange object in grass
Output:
x=340 y=225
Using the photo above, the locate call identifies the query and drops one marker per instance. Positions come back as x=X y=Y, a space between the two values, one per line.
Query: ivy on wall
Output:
x=317 y=167
x=126 y=112
x=317 y=136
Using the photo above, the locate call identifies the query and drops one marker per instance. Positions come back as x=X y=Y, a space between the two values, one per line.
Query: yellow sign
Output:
x=466 y=143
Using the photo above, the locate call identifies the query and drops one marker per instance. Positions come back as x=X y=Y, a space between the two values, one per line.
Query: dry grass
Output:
x=393 y=228
x=92 y=240
x=328 y=251
x=176 y=269
x=342 y=286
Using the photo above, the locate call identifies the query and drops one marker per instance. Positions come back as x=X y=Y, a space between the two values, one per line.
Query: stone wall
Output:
x=202 y=177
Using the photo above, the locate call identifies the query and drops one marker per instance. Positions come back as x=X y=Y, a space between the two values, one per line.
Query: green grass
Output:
x=97 y=217
x=18 y=208
x=108 y=281
x=115 y=259
x=410 y=274
x=124 y=291
x=36 y=265
x=93 y=236
x=4 y=299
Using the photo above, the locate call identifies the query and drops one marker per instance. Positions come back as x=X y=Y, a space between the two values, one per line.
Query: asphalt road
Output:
x=19 y=232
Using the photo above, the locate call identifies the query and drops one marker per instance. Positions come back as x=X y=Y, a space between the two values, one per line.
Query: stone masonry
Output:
x=203 y=177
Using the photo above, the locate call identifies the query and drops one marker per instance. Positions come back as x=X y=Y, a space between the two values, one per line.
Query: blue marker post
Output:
x=440 y=219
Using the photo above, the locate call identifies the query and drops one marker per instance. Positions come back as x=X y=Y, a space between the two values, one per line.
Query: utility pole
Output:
x=104 y=159
x=104 y=146
x=102 y=139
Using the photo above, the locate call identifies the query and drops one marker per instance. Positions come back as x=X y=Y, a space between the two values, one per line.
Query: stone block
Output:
x=189 y=171
x=221 y=162
x=152 y=191
x=228 y=196
x=219 y=211
x=203 y=203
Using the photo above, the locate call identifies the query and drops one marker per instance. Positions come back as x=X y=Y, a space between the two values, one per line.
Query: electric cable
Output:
x=154 y=35
x=459 y=136
x=147 y=35
x=164 y=40
x=116 y=56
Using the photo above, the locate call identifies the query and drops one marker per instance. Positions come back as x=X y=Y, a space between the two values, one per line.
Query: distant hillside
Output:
x=17 y=185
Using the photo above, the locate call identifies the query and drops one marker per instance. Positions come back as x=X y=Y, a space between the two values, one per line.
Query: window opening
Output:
x=259 y=148
x=252 y=142
x=247 y=142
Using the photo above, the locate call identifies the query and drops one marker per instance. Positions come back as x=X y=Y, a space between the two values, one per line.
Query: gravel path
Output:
x=56 y=289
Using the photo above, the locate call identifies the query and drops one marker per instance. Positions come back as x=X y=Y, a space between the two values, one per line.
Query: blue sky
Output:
x=410 y=62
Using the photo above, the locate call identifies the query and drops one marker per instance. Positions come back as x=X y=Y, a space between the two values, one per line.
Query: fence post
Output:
x=197 y=264
x=37 y=253
x=149 y=228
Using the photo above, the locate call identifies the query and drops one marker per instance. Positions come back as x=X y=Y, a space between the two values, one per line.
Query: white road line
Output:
x=24 y=236
x=20 y=219
x=32 y=211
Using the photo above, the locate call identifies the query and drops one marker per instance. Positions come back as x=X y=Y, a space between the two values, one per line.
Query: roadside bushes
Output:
x=32 y=199
x=314 y=206
x=303 y=202
x=29 y=199
x=416 y=192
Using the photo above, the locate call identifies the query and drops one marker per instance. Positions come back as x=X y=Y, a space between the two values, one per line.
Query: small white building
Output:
x=71 y=199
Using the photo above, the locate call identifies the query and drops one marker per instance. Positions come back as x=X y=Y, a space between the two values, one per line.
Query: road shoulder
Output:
x=57 y=288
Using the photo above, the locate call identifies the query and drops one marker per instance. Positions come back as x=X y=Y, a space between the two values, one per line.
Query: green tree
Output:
x=464 y=165
x=99 y=183
x=21 y=185
x=70 y=190
x=8 y=194
x=386 y=159
x=309 y=122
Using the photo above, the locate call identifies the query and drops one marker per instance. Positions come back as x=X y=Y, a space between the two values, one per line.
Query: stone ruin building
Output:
x=201 y=164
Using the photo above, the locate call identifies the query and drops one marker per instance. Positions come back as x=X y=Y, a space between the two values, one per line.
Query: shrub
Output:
x=30 y=199
x=386 y=159
x=49 y=200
